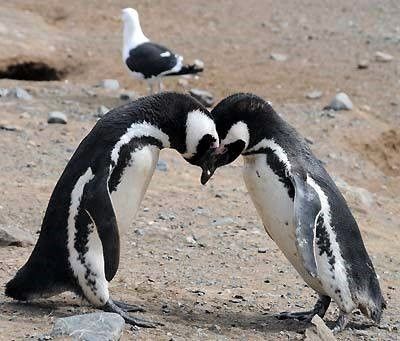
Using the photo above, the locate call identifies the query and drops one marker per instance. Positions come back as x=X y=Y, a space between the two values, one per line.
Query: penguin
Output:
x=300 y=206
x=98 y=195
x=147 y=60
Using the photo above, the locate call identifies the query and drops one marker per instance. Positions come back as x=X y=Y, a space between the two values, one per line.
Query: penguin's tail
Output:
x=35 y=280
x=186 y=70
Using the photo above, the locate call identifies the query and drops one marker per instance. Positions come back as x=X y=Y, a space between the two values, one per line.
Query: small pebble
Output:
x=314 y=94
x=363 y=64
x=340 y=102
x=57 y=117
x=101 y=111
x=383 y=57
x=279 y=57
x=110 y=84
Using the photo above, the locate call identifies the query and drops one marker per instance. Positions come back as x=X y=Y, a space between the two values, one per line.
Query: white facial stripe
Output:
x=340 y=271
x=276 y=148
x=239 y=131
x=165 y=54
x=94 y=255
x=198 y=124
x=139 y=130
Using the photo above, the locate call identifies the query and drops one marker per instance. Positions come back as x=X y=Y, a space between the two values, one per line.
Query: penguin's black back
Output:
x=47 y=270
x=264 y=122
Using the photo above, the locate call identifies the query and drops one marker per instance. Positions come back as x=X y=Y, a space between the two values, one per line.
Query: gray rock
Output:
x=90 y=327
x=19 y=93
x=162 y=166
x=314 y=94
x=204 y=97
x=319 y=331
x=363 y=64
x=222 y=221
x=11 y=235
x=166 y=216
x=25 y=115
x=279 y=57
x=110 y=84
x=383 y=57
x=101 y=111
x=362 y=332
x=57 y=117
x=340 y=102
x=191 y=240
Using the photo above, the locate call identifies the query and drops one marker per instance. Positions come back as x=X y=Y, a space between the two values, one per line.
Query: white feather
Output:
x=277 y=149
x=139 y=130
x=133 y=184
x=198 y=124
x=239 y=131
x=93 y=258
x=323 y=267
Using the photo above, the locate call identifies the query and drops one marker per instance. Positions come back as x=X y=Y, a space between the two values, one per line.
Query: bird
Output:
x=147 y=60
x=98 y=195
x=300 y=206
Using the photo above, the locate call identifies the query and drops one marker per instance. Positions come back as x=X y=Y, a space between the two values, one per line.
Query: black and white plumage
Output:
x=147 y=60
x=98 y=195
x=301 y=208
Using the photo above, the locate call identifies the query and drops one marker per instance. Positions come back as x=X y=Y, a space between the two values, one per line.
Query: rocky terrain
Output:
x=197 y=257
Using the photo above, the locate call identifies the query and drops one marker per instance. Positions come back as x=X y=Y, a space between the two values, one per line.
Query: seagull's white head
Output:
x=130 y=14
x=133 y=34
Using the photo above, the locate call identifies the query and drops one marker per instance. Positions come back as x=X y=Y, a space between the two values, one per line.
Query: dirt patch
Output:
x=384 y=152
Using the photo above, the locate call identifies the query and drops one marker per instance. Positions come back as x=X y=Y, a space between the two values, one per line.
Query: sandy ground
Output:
x=192 y=256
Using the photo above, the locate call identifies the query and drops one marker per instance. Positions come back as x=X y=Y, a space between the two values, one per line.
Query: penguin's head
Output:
x=235 y=117
x=201 y=140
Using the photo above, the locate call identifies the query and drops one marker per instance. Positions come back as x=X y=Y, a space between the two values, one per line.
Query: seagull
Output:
x=147 y=60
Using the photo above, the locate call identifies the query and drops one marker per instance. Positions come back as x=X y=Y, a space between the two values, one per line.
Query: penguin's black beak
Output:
x=219 y=157
x=210 y=163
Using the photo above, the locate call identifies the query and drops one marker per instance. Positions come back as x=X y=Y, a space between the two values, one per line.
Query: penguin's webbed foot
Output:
x=113 y=307
x=341 y=322
x=320 y=308
x=129 y=307
x=305 y=316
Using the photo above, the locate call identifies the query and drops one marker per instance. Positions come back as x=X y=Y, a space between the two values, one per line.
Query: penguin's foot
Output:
x=305 y=316
x=341 y=322
x=320 y=308
x=112 y=307
x=129 y=307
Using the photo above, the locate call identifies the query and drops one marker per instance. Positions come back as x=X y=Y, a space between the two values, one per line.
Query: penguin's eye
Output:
x=206 y=142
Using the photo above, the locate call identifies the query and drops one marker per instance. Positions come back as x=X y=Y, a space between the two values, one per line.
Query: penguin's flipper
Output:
x=99 y=207
x=307 y=207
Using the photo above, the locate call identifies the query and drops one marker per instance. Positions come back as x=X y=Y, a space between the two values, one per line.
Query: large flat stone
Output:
x=11 y=235
x=90 y=327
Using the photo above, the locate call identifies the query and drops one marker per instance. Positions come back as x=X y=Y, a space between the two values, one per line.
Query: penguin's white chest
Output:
x=275 y=208
x=133 y=184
